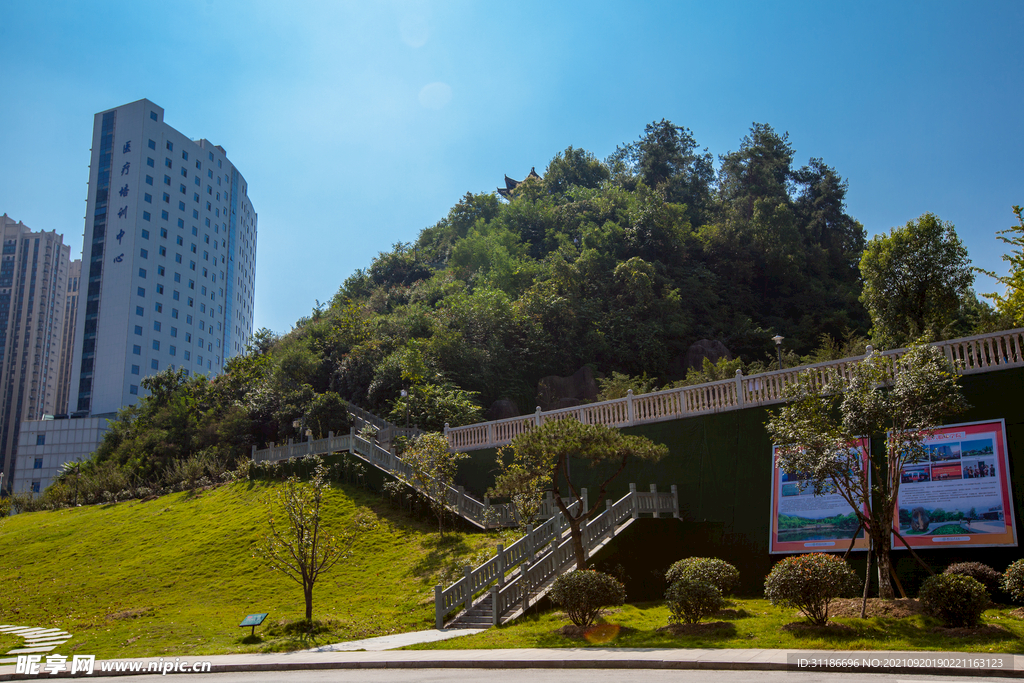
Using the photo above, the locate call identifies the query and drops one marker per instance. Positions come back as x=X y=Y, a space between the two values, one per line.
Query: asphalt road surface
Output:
x=552 y=676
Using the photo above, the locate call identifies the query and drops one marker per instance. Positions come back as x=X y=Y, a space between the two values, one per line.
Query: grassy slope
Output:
x=759 y=625
x=175 y=575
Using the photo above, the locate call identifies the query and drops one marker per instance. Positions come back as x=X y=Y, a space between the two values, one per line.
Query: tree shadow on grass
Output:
x=441 y=554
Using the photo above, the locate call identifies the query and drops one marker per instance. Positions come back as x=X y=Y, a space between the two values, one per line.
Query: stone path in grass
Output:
x=37 y=640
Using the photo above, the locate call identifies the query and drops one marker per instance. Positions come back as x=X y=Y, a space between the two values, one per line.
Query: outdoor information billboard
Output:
x=803 y=522
x=960 y=495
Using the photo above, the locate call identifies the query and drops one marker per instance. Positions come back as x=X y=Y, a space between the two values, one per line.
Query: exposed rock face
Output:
x=502 y=409
x=920 y=519
x=712 y=349
x=553 y=391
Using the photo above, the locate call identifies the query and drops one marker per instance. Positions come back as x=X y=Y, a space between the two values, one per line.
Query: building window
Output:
x=152 y=115
x=177 y=258
x=195 y=231
x=133 y=389
x=188 y=319
x=149 y=180
x=38 y=464
x=181 y=223
x=177 y=277
x=137 y=350
x=195 y=198
x=174 y=313
x=192 y=265
x=182 y=189
x=167 y=163
x=193 y=246
x=179 y=241
x=40 y=441
x=156 y=325
x=152 y=144
x=138 y=330
x=163 y=251
x=141 y=292
x=172 y=350
x=135 y=369
x=190 y=303
x=184 y=172
x=174 y=330
x=142 y=274
x=164 y=215
x=181 y=207
x=139 y=310
x=143 y=252
x=150 y=162
x=148 y=198
x=156 y=344
x=160 y=271
x=145 y=215
x=184 y=155
x=155 y=364
x=199 y=359
x=187 y=356
x=163 y=232
x=36 y=485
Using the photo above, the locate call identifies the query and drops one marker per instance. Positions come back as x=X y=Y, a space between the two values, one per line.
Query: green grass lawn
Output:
x=8 y=642
x=748 y=624
x=176 y=575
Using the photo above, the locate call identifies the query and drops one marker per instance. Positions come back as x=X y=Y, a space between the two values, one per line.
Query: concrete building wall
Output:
x=67 y=343
x=45 y=445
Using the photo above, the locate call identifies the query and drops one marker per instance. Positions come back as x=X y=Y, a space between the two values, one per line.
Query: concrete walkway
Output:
x=398 y=640
x=910 y=663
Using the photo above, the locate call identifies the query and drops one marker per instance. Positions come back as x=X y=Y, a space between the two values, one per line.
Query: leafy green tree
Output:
x=297 y=545
x=542 y=456
x=431 y=406
x=916 y=279
x=326 y=413
x=433 y=472
x=1011 y=303
x=574 y=168
x=904 y=403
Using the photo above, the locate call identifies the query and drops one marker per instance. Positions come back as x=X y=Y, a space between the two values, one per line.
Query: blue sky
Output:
x=358 y=124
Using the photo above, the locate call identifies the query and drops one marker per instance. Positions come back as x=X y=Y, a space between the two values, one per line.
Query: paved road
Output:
x=550 y=676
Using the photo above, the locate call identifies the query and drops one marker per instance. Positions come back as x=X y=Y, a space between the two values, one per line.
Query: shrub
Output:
x=956 y=599
x=691 y=601
x=712 y=570
x=582 y=594
x=810 y=583
x=984 y=574
x=1013 y=581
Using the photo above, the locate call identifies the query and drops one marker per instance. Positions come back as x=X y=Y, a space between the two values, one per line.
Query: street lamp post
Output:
x=778 y=347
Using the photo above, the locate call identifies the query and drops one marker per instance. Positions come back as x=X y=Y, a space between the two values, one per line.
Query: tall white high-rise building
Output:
x=167 y=279
x=168 y=259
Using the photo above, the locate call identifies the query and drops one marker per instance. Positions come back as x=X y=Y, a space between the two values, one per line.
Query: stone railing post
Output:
x=536 y=417
x=490 y=433
x=467 y=577
x=254 y=451
x=495 y=615
x=524 y=581
x=657 y=503
x=740 y=398
x=529 y=541
x=635 y=499
x=499 y=554
x=630 y=415
x=438 y=608
x=675 y=501
x=586 y=502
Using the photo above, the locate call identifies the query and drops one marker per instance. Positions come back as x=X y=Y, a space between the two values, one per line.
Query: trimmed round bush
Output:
x=956 y=599
x=810 y=583
x=712 y=570
x=582 y=594
x=690 y=601
x=1013 y=581
x=984 y=574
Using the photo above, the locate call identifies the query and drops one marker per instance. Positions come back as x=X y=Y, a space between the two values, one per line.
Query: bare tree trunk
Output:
x=577 y=543
x=307 y=591
x=867 y=584
x=884 y=567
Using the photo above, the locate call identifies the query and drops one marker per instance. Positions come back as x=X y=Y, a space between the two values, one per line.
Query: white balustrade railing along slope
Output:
x=981 y=353
x=504 y=587
x=479 y=513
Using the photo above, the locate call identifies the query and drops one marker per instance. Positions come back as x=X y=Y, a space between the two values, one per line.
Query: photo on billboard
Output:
x=958 y=495
x=802 y=522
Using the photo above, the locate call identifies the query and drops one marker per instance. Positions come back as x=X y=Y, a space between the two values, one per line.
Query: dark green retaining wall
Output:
x=722 y=466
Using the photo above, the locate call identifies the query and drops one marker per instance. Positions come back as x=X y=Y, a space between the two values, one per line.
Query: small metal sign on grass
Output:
x=254 y=620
